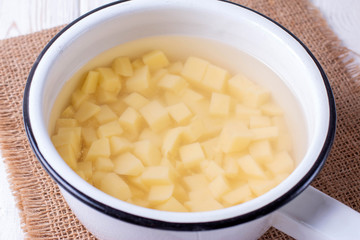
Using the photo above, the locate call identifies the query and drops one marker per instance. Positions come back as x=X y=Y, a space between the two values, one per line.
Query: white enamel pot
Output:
x=292 y=206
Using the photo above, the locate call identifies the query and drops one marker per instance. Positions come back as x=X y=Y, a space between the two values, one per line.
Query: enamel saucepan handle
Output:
x=315 y=215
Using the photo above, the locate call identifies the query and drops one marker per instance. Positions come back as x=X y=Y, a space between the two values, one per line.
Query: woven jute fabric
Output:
x=44 y=212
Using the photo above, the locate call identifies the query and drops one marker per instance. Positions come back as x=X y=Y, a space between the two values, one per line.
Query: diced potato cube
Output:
x=282 y=163
x=171 y=98
x=195 y=182
x=180 y=193
x=110 y=129
x=115 y=186
x=256 y=96
x=75 y=130
x=78 y=97
x=137 y=182
x=155 y=138
x=173 y=83
x=259 y=187
x=220 y=104
x=231 y=167
x=137 y=64
x=66 y=152
x=215 y=78
x=105 y=97
x=155 y=115
x=265 y=133
x=219 y=186
x=194 y=130
x=157 y=75
x=99 y=148
x=119 y=145
x=251 y=168
x=194 y=70
x=271 y=109
x=86 y=111
x=89 y=135
x=91 y=81
x=190 y=96
x=86 y=168
x=180 y=113
x=200 y=194
x=206 y=205
x=135 y=100
x=103 y=164
x=238 y=85
x=191 y=154
x=259 y=121
x=156 y=175
x=147 y=152
x=210 y=147
x=234 y=137
x=238 y=195
x=97 y=177
x=261 y=151
x=175 y=67
x=131 y=121
x=244 y=112
x=128 y=164
x=155 y=60
x=109 y=80
x=105 y=115
x=67 y=138
x=160 y=193
x=122 y=66
x=118 y=106
x=65 y=122
x=140 y=81
x=200 y=108
x=68 y=112
x=213 y=170
x=171 y=142
x=172 y=205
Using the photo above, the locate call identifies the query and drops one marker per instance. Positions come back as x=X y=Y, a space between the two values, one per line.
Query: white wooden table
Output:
x=18 y=17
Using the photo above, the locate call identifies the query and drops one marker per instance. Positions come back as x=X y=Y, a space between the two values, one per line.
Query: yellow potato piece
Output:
x=91 y=82
x=180 y=113
x=115 y=186
x=191 y=155
x=128 y=164
x=147 y=152
x=156 y=175
x=155 y=59
x=172 y=205
x=109 y=80
x=122 y=66
x=194 y=70
x=120 y=145
x=140 y=81
x=156 y=116
x=160 y=193
x=136 y=100
x=99 y=148
x=215 y=78
x=220 y=104
x=86 y=111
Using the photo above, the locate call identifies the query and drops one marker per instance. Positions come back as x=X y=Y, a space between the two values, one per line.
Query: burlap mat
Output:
x=45 y=214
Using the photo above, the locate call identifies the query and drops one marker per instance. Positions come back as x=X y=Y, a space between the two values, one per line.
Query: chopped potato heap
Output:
x=174 y=136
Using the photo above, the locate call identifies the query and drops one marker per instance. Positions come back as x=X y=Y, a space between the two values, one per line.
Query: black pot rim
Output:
x=179 y=226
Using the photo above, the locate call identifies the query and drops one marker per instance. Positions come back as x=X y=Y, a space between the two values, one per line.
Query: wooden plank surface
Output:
x=18 y=17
